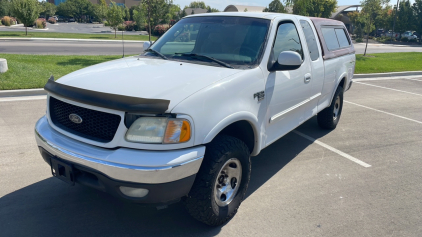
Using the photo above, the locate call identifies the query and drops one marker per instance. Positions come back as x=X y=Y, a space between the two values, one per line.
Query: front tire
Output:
x=329 y=117
x=221 y=182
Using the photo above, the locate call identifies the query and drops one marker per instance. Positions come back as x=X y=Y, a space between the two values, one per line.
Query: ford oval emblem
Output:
x=75 y=118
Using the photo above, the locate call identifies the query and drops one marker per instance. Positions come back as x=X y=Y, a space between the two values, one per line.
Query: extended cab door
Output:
x=317 y=66
x=287 y=90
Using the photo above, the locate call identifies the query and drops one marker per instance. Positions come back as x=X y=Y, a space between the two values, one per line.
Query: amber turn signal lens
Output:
x=178 y=130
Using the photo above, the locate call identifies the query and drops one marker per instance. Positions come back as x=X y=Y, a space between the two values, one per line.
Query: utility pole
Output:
x=149 y=19
x=394 y=22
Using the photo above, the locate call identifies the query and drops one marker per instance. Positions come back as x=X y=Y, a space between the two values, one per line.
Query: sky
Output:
x=221 y=4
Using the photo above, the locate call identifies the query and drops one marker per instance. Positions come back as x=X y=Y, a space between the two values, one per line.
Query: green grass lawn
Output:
x=32 y=34
x=33 y=71
x=388 y=62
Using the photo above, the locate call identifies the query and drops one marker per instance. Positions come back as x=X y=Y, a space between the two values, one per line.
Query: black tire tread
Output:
x=325 y=117
x=198 y=203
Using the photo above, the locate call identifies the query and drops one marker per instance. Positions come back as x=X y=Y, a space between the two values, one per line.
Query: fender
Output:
x=238 y=116
x=343 y=75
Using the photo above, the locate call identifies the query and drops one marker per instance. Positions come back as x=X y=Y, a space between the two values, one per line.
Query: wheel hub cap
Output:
x=336 y=108
x=227 y=182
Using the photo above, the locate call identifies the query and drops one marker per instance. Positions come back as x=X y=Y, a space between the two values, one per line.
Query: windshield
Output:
x=236 y=41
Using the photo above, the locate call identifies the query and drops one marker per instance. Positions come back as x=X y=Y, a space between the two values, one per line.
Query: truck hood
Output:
x=147 y=78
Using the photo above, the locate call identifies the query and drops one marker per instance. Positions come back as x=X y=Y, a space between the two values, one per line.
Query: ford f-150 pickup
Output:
x=181 y=120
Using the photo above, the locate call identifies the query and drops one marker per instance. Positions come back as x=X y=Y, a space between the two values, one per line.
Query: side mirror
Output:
x=289 y=58
x=146 y=45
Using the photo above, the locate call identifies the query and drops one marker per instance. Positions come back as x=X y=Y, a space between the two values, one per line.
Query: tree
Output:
x=47 y=9
x=275 y=6
x=76 y=9
x=114 y=17
x=100 y=10
x=384 y=20
x=26 y=11
x=126 y=13
x=370 y=9
x=405 y=17
x=358 y=20
x=157 y=12
x=198 y=4
x=139 y=17
x=210 y=9
x=315 y=8
x=417 y=9
x=4 y=8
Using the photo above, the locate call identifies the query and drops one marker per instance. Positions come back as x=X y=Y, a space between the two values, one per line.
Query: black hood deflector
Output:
x=106 y=100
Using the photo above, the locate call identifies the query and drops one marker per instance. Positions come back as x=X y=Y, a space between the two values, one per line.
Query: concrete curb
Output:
x=389 y=74
x=67 y=39
x=23 y=92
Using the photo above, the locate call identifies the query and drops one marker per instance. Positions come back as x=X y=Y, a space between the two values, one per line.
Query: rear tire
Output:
x=329 y=117
x=221 y=182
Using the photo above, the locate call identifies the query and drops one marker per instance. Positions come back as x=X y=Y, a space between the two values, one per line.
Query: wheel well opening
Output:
x=243 y=131
x=342 y=83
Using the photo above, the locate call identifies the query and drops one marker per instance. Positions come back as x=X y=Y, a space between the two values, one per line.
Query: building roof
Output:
x=188 y=11
x=340 y=9
x=242 y=8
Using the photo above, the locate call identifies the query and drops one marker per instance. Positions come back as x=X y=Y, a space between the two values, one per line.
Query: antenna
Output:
x=123 y=43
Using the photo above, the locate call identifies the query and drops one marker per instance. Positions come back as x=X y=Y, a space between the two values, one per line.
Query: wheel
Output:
x=221 y=182
x=329 y=117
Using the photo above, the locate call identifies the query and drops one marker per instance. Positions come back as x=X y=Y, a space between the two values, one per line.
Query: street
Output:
x=361 y=179
x=116 y=48
x=69 y=47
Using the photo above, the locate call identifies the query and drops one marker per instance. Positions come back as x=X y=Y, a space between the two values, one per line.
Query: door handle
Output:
x=307 y=77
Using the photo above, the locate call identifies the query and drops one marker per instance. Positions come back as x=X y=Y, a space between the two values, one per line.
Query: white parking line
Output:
x=347 y=156
x=23 y=98
x=390 y=89
x=415 y=78
x=395 y=115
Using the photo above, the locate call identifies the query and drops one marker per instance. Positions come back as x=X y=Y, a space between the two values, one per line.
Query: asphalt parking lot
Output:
x=361 y=179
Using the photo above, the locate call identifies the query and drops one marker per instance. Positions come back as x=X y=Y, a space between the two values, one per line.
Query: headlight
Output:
x=159 y=130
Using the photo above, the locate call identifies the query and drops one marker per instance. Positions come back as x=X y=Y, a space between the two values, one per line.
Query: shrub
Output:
x=121 y=28
x=159 y=30
x=413 y=40
x=359 y=40
x=129 y=25
x=7 y=21
x=52 y=20
x=404 y=39
x=106 y=23
x=40 y=23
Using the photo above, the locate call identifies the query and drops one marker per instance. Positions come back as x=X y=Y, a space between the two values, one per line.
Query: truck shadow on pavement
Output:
x=52 y=208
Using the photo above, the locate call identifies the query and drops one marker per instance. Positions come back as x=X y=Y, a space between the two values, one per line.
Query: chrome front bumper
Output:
x=123 y=164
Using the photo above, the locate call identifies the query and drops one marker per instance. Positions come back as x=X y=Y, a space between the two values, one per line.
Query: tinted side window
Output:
x=342 y=38
x=287 y=39
x=330 y=38
x=310 y=40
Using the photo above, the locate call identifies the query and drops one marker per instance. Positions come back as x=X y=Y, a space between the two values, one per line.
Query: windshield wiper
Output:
x=205 y=56
x=156 y=52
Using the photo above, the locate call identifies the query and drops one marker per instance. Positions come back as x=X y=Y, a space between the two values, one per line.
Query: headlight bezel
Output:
x=130 y=120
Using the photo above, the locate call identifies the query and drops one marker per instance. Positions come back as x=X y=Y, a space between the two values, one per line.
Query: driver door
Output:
x=287 y=91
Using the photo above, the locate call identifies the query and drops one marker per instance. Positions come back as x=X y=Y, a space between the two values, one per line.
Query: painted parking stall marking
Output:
x=389 y=88
x=395 y=115
x=347 y=156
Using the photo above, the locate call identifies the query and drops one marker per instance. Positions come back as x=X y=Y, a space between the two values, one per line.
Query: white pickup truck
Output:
x=181 y=121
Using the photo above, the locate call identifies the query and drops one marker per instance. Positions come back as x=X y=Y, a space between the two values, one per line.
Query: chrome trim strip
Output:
x=315 y=96
x=294 y=107
x=112 y=164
